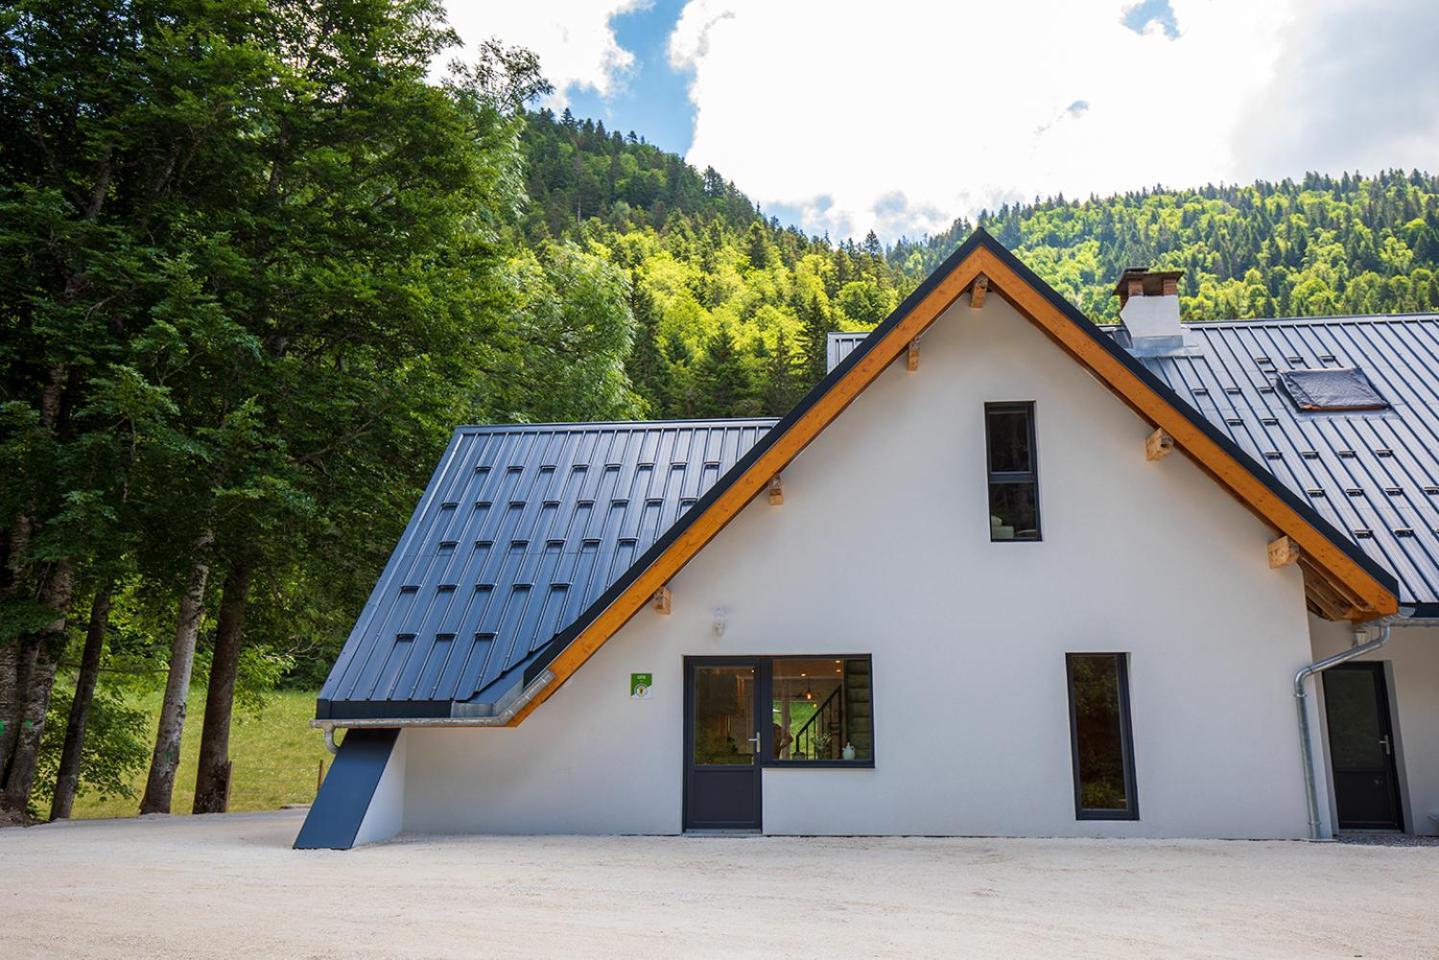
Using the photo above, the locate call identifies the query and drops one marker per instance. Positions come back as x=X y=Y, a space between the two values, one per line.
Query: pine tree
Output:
x=784 y=381
x=722 y=381
x=816 y=325
x=646 y=366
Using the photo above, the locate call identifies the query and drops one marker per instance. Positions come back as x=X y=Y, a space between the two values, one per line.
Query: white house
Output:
x=1003 y=572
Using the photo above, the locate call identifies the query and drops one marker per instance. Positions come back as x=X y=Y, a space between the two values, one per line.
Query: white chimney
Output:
x=1149 y=311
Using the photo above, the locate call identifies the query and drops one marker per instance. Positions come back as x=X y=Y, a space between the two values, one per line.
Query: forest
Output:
x=258 y=263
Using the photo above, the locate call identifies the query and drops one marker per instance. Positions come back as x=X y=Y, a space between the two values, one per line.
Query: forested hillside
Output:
x=731 y=308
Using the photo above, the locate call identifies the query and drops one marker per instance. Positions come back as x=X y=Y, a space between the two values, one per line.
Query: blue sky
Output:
x=652 y=98
x=848 y=115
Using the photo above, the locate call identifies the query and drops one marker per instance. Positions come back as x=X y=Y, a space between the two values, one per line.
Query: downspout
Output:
x=1311 y=786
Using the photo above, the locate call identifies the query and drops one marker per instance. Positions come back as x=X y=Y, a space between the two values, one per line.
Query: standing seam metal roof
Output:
x=1372 y=474
x=520 y=529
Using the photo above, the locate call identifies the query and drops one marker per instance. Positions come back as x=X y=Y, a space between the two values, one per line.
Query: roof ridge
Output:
x=632 y=424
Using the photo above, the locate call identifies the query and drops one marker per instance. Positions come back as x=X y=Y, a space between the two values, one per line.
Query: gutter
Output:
x=505 y=710
x=1311 y=785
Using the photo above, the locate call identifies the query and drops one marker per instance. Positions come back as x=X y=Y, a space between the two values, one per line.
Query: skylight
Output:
x=1331 y=389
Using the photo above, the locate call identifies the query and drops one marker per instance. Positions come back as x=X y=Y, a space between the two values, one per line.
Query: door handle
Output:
x=1387 y=749
x=755 y=740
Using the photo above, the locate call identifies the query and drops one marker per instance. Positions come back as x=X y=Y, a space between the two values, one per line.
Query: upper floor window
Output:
x=1013 y=477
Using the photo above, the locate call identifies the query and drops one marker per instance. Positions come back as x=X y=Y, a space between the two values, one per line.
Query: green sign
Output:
x=640 y=684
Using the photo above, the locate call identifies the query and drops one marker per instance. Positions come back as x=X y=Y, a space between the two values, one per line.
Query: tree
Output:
x=816 y=324
x=721 y=379
x=784 y=381
x=294 y=244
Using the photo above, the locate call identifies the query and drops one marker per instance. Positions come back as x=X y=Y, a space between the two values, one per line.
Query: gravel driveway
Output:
x=225 y=886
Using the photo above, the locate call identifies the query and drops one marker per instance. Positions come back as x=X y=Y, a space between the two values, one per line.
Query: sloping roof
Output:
x=1373 y=474
x=519 y=530
x=1366 y=587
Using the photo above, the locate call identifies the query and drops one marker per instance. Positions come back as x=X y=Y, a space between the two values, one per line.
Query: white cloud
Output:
x=574 y=39
x=903 y=115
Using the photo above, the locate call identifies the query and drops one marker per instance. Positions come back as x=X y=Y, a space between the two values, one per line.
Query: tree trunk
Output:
x=161 y=783
x=68 y=777
x=212 y=782
x=39 y=657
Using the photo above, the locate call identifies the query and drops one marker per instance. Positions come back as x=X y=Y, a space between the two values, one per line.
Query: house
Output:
x=1002 y=572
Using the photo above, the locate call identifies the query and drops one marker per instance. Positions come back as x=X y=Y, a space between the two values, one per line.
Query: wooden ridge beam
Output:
x=977 y=291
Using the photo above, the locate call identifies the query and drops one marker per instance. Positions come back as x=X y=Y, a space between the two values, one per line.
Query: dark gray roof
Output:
x=1372 y=474
x=520 y=529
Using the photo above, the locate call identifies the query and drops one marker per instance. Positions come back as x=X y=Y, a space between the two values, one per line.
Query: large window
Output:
x=1013 y=476
x=820 y=711
x=1100 y=734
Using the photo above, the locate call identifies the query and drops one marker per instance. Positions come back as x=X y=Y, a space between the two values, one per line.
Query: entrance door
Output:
x=1361 y=747
x=722 y=744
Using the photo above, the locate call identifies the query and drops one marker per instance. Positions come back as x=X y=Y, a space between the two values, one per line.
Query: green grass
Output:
x=275 y=756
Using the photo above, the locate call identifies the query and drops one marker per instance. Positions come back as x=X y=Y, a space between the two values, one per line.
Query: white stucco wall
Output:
x=1411 y=658
x=882 y=547
x=385 y=815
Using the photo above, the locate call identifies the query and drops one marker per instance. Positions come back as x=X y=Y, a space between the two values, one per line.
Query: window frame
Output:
x=766 y=673
x=1013 y=477
x=1130 y=811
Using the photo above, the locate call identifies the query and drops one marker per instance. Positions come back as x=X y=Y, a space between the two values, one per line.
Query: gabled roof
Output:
x=1372 y=474
x=520 y=529
x=1333 y=562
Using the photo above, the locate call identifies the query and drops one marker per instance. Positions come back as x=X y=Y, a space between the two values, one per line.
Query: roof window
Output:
x=1333 y=389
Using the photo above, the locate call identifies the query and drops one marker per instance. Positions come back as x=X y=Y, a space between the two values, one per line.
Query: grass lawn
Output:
x=275 y=757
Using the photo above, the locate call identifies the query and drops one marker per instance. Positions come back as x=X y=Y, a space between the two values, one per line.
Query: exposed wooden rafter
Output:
x=1158 y=446
x=662 y=599
x=911 y=360
x=776 y=490
x=1283 y=552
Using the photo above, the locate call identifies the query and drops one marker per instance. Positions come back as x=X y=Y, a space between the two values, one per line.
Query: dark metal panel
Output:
x=335 y=817
x=520 y=529
x=1372 y=474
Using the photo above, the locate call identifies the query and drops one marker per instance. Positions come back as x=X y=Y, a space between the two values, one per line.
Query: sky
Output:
x=844 y=116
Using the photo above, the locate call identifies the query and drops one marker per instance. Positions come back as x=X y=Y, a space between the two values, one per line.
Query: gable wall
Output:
x=882 y=547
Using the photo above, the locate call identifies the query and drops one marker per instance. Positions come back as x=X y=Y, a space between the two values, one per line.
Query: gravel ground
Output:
x=225 y=886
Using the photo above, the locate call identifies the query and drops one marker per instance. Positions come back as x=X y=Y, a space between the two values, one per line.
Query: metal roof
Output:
x=1373 y=474
x=520 y=529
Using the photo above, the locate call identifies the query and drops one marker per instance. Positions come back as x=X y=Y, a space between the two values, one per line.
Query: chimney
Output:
x=1149 y=311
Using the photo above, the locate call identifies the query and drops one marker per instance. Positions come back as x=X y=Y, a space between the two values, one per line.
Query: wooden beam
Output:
x=977 y=292
x=1283 y=552
x=911 y=361
x=776 y=490
x=662 y=599
x=1158 y=446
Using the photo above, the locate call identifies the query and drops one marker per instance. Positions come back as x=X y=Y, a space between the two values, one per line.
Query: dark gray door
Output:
x=722 y=745
x=1361 y=747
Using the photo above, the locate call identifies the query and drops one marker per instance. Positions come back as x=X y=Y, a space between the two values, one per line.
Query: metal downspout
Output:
x=1311 y=786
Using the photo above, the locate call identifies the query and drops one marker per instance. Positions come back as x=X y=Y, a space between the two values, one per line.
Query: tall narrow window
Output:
x=1100 y=734
x=1013 y=480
